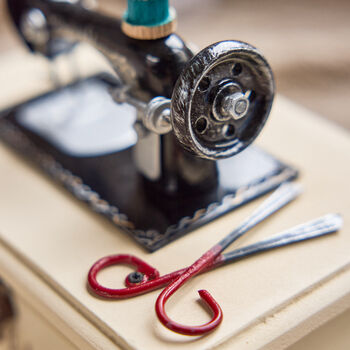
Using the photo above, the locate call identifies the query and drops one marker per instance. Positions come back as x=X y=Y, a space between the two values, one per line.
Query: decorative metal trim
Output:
x=150 y=239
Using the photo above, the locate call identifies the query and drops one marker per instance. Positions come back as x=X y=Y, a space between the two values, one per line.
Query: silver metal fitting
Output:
x=157 y=115
x=34 y=27
x=230 y=102
x=235 y=106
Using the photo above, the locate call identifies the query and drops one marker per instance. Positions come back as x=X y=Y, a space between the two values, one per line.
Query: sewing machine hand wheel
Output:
x=222 y=99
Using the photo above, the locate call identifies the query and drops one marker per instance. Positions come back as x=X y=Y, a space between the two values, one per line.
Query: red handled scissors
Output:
x=146 y=278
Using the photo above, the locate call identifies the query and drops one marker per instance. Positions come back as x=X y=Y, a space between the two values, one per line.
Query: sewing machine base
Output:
x=111 y=185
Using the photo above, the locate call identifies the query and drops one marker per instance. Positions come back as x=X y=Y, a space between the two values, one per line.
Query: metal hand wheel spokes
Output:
x=222 y=99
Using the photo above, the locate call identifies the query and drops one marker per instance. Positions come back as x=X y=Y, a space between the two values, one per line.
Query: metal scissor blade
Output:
x=281 y=197
x=327 y=224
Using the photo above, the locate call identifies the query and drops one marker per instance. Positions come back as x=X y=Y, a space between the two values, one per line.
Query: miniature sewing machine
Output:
x=161 y=147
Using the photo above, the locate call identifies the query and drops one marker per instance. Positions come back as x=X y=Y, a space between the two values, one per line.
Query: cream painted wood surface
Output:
x=31 y=331
x=42 y=316
x=269 y=301
x=332 y=335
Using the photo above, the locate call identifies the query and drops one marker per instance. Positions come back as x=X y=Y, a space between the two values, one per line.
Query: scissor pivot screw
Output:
x=135 y=277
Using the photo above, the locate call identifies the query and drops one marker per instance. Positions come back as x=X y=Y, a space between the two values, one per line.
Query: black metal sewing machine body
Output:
x=151 y=67
x=157 y=189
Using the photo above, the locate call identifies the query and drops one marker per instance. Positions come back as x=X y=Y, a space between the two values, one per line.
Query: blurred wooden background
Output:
x=306 y=42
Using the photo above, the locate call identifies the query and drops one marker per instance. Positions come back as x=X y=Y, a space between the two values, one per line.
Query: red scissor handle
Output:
x=150 y=280
x=205 y=262
x=148 y=273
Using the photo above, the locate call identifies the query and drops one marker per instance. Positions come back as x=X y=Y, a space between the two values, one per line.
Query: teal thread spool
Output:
x=148 y=19
x=148 y=13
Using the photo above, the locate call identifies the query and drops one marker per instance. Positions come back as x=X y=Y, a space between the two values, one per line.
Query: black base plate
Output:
x=111 y=185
